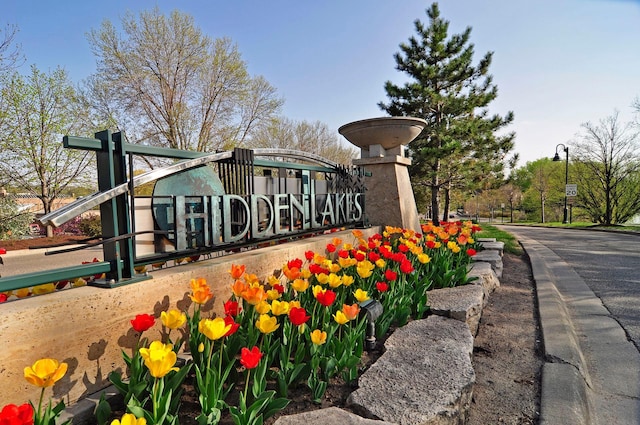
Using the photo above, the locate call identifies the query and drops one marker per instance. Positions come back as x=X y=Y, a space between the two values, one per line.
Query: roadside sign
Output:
x=571 y=190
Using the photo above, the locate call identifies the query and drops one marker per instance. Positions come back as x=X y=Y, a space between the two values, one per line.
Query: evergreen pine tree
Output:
x=459 y=147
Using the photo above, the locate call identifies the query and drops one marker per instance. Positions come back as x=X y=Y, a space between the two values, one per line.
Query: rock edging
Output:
x=425 y=376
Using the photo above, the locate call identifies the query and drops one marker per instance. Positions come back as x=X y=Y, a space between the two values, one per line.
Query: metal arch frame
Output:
x=64 y=214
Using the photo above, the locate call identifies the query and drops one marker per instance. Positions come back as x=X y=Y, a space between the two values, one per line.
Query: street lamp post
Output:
x=566 y=178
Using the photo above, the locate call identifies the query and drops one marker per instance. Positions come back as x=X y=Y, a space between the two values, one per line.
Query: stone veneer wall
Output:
x=88 y=327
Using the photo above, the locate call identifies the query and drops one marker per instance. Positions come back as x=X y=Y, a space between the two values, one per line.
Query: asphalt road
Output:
x=608 y=262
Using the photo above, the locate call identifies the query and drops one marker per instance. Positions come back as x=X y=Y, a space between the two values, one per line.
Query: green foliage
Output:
x=38 y=108
x=91 y=226
x=13 y=223
x=459 y=147
x=102 y=411
x=511 y=244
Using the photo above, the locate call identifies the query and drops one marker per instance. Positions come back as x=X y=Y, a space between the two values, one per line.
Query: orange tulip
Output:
x=291 y=273
x=351 y=311
x=238 y=288
x=237 y=271
x=254 y=295
x=201 y=295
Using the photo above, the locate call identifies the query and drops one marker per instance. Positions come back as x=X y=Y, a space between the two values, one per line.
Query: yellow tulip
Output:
x=267 y=324
x=300 y=285
x=364 y=269
x=424 y=258
x=45 y=372
x=44 y=289
x=272 y=280
x=198 y=283
x=346 y=262
x=279 y=308
x=295 y=304
x=361 y=295
x=334 y=268
x=79 y=282
x=129 y=419
x=252 y=279
x=347 y=280
x=305 y=274
x=334 y=280
x=380 y=263
x=173 y=319
x=273 y=294
x=318 y=337
x=159 y=358
x=340 y=317
x=213 y=328
x=263 y=307
x=322 y=278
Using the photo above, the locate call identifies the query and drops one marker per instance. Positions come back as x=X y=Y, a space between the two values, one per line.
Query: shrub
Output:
x=90 y=226
x=13 y=223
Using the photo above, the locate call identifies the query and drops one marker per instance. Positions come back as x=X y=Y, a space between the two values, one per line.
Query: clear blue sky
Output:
x=557 y=63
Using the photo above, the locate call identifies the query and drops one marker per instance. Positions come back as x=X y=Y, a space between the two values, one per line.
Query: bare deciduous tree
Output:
x=167 y=84
x=10 y=55
x=312 y=137
x=607 y=170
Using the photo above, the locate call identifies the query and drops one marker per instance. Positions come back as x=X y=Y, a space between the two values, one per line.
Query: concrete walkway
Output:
x=592 y=371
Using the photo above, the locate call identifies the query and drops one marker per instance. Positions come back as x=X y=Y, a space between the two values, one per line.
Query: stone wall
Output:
x=88 y=327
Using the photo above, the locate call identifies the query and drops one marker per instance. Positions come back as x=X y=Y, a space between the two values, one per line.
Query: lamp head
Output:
x=556 y=157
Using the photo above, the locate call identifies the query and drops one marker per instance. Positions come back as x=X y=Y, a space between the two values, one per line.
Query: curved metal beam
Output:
x=66 y=213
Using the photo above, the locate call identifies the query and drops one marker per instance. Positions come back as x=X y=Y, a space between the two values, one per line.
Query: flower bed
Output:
x=301 y=326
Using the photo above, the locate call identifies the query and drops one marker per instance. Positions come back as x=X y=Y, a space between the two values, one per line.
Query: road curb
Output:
x=566 y=395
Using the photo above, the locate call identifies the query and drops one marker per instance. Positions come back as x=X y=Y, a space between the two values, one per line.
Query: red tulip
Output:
x=232 y=308
x=390 y=275
x=17 y=415
x=382 y=286
x=406 y=267
x=298 y=316
x=142 y=322
x=295 y=264
x=228 y=320
x=326 y=298
x=250 y=358
x=471 y=252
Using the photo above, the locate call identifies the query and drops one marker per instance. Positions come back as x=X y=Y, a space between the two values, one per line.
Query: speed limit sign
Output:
x=571 y=190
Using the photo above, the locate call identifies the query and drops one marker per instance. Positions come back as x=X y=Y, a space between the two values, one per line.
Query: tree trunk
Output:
x=434 y=205
x=447 y=201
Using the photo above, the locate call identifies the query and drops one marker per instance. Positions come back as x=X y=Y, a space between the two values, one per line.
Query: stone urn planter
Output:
x=388 y=132
x=381 y=143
